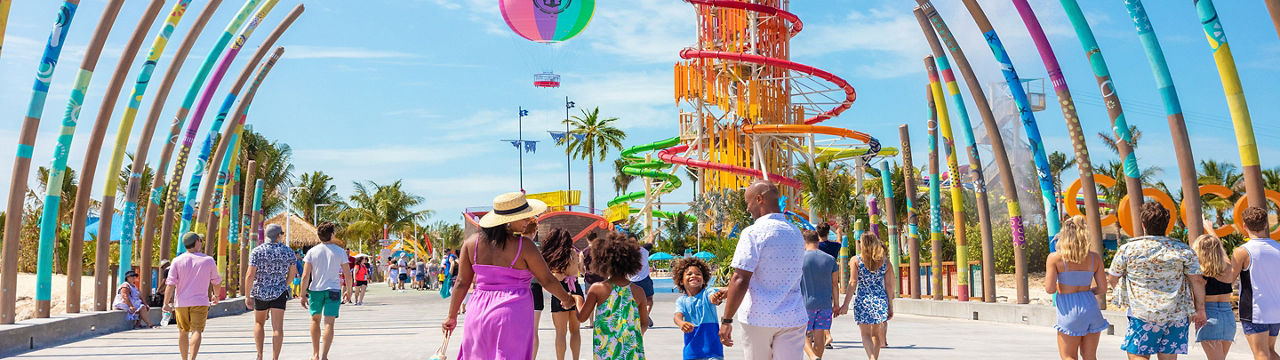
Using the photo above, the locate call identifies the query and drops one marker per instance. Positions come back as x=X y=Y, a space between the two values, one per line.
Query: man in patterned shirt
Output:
x=270 y=269
x=1162 y=287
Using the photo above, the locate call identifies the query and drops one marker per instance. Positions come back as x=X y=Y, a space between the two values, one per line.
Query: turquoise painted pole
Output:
x=212 y=87
x=891 y=218
x=166 y=228
x=913 y=231
x=1052 y=217
x=1173 y=111
x=257 y=209
x=1110 y=97
x=22 y=163
x=53 y=189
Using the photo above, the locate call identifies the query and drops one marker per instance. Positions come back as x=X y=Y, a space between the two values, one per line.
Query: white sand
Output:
x=26 y=305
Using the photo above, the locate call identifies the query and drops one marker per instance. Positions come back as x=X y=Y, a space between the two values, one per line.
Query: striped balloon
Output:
x=547 y=21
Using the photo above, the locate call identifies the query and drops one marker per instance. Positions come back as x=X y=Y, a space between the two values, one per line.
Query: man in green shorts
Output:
x=323 y=264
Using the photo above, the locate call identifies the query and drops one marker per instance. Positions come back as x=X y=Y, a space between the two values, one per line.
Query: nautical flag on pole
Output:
x=558 y=136
x=426 y=239
x=530 y=146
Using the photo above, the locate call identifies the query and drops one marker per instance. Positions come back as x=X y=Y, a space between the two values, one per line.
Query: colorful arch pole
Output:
x=211 y=88
x=926 y=12
x=4 y=18
x=975 y=164
x=22 y=163
x=134 y=188
x=1239 y=108
x=89 y=167
x=117 y=154
x=1083 y=165
x=256 y=221
x=957 y=185
x=935 y=199
x=158 y=196
x=1052 y=217
x=1173 y=110
x=891 y=217
x=198 y=173
x=1273 y=6
x=913 y=231
x=247 y=241
x=53 y=193
x=1132 y=174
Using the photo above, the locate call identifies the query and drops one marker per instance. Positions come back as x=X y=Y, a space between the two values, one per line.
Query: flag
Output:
x=426 y=238
x=580 y=137
x=524 y=112
x=558 y=136
x=530 y=146
x=516 y=143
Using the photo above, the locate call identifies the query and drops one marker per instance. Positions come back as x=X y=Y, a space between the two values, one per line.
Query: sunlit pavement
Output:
x=394 y=325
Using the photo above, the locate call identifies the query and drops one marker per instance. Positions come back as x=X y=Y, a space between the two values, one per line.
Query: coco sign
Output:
x=1126 y=218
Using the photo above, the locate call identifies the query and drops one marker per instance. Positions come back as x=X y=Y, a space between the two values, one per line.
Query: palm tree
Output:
x=679 y=230
x=1058 y=162
x=1225 y=174
x=1271 y=179
x=1109 y=139
x=317 y=189
x=621 y=181
x=375 y=208
x=828 y=190
x=593 y=137
x=275 y=168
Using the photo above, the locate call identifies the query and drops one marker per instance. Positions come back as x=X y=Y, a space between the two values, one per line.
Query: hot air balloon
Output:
x=547 y=22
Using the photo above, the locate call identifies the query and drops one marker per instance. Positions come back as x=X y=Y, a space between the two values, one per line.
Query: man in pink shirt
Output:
x=192 y=277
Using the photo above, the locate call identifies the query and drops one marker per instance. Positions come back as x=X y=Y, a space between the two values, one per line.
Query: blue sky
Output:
x=423 y=90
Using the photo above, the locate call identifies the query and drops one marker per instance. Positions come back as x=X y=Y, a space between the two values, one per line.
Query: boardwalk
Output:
x=406 y=326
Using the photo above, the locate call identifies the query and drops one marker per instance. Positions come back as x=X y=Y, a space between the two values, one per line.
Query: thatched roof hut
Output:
x=302 y=234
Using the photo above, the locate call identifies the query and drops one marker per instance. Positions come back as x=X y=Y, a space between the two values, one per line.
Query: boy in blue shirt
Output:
x=696 y=313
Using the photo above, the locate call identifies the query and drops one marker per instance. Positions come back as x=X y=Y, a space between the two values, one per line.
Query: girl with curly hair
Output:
x=696 y=313
x=563 y=261
x=619 y=305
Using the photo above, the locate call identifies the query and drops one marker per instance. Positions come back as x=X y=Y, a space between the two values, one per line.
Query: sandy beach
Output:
x=26 y=305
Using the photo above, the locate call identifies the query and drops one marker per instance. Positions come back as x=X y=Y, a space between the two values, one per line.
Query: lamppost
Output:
x=316 y=211
x=288 y=217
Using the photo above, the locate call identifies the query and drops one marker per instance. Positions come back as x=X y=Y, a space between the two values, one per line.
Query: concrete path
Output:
x=393 y=325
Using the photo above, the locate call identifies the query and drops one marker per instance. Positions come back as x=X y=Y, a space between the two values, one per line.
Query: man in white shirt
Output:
x=324 y=263
x=766 y=282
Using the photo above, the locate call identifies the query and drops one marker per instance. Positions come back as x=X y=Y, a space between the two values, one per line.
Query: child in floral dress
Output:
x=618 y=304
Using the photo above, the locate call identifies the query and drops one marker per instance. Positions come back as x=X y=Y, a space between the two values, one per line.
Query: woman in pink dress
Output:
x=499 y=323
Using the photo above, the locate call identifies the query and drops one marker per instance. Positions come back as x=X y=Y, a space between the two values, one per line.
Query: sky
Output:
x=424 y=90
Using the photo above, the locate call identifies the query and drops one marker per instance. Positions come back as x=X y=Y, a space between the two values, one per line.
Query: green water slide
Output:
x=654 y=169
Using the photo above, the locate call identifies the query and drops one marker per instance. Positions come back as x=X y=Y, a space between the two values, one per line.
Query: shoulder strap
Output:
x=518 y=250
x=474 y=251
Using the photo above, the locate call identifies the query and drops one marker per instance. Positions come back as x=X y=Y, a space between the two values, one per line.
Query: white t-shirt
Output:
x=644 y=266
x=773 y=250
x=326 y=264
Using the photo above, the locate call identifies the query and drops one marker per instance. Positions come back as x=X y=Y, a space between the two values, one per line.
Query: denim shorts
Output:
x=1149 y=338
x=1221 y=323
x=1251 y=328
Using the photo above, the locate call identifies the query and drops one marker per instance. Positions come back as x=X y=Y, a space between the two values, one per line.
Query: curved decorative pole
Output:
x=232 y=133
x=935 y=200
x=1083 y=165
x=1012 y=204
x=188 y=212
x=53 y=189
x=1173 y=110
x=158 y=191
x=4 y=17
x=220 y=217
x=1273 y=6
x=201 y=107
x=117 y=158
x=975 y=163
x=134 y=189
x=891 y=217
x=1240 y=119
x=1051 y=215
x=90 y=165
x=255 y=223
x=22 y=163
x=246 y=240
x=957 y=186
x=1132 y=174
x=913 y=232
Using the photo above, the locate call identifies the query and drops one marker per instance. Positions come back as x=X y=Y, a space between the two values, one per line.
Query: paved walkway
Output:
x=396 y=325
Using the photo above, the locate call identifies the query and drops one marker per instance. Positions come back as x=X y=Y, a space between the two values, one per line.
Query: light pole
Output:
x=288 y=217
x=568 y=162
x=316 y=211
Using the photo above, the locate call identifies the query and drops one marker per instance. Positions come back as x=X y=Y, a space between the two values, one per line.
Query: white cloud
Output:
x=338 y=52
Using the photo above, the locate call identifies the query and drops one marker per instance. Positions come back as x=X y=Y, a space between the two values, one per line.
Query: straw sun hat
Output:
x=510 y=207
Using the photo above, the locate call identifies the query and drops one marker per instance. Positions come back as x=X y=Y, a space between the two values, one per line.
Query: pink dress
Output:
x=499 y=319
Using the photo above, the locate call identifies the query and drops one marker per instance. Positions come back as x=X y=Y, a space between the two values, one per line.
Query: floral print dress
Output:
x=617 y=327
x=870 y=302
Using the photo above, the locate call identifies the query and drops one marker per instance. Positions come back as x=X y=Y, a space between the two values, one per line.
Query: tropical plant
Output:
x=274 y=168
x=828 y=190
x=1225 y=174
x=445 y=235
x=1057 y=163
x=593 y=137
x=376 y=208
x=317 y=188
x=1110 y=141
x=678 y=232
x=725 y=210
x=621 y=180
x=1271 y=179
